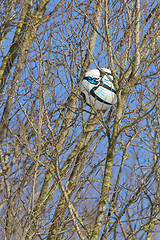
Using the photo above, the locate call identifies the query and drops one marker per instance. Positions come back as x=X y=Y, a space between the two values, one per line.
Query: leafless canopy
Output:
x=68 y=171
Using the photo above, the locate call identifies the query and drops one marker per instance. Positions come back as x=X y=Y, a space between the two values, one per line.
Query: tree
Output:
x=68 y=171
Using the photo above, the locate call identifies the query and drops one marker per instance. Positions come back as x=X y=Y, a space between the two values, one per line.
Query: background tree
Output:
x=68 y=171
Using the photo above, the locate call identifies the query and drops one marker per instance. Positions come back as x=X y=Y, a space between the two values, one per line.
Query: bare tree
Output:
x=67 y=170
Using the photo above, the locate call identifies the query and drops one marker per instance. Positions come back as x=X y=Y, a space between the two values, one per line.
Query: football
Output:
x=97 y=89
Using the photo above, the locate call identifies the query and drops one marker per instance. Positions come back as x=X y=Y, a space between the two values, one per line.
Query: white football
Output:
x=97 y=89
